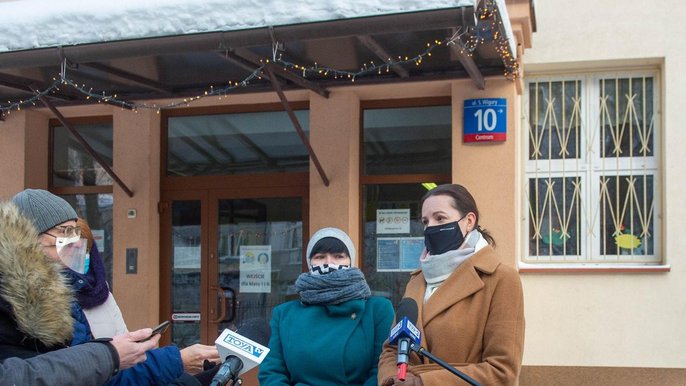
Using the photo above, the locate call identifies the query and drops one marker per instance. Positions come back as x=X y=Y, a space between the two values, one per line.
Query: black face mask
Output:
x=440 y=239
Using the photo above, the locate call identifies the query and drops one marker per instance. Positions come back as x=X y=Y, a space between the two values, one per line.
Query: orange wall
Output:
x=23 y=152
x=137 y=163
x=334 y=133
x=488 y=170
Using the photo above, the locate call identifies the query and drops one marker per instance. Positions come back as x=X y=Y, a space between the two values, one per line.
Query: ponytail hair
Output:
x=463 y=201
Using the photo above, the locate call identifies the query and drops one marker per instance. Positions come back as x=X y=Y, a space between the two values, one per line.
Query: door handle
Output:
x=227 y=304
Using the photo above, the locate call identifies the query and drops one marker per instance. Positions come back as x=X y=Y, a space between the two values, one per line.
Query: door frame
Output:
x=209 y=191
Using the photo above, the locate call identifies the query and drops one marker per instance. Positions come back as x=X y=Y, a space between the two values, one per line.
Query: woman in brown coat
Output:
x=471 y=310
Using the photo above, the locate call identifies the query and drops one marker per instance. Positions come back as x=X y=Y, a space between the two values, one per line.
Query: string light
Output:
x=487 y=29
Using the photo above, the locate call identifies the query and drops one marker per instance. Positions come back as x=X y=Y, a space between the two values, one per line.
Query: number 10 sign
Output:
x=485 y=120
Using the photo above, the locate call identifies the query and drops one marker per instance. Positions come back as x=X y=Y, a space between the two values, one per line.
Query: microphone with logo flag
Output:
x=239 y=355
x=404 y=334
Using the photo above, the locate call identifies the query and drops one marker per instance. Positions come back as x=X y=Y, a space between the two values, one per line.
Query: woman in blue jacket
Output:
x=334 y=334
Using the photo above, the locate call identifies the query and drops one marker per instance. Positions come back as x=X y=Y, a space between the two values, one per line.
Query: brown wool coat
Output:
x=474 y=321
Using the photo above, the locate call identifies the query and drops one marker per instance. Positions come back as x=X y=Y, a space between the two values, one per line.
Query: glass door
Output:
x=259 y=256
x=227 y=259
x=183 y=262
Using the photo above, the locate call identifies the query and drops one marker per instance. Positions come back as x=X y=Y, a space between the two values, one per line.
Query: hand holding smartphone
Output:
x=159 y=329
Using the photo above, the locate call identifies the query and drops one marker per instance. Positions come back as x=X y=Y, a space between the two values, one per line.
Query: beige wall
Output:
x=616 y=319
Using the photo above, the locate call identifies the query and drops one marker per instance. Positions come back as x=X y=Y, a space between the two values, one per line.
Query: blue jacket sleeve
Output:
x=383 y=319
x=273 y=370
x=162 y=366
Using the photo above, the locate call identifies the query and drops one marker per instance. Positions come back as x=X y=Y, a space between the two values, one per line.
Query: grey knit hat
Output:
x=43 y=208
x=335 y=233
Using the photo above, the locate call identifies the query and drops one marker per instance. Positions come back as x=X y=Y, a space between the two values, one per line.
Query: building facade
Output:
x=616 y=320
x=211 y=199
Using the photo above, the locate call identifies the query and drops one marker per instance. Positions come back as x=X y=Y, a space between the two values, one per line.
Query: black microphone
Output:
x=404 y=334
x=229 y=370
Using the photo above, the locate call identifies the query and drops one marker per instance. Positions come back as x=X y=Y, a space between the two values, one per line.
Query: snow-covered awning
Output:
x=142 y=50
x=31 y=24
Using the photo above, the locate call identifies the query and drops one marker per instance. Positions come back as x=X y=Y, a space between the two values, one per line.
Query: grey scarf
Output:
x=335 y=287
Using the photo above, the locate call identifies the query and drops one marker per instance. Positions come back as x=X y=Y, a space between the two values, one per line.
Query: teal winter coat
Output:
x=326 y=345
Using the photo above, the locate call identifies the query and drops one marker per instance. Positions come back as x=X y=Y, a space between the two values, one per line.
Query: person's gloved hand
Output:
x=410 y=380
x=209 y=371
x=389 y=381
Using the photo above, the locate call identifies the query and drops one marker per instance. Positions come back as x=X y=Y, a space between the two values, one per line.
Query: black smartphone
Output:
x=159 y=329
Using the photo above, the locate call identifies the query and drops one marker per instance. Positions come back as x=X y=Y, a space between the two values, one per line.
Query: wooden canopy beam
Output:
x=131 y=77
x=296 y=124
x=250 y=57
x=382 y=54
x=83 y=142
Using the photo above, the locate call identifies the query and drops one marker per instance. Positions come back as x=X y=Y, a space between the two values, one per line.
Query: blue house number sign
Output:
x=485 y=120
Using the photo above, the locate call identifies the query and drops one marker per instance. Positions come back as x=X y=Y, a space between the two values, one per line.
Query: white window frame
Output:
x=589 y=167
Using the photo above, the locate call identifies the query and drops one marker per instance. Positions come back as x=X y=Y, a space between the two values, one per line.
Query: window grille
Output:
x=592 y=169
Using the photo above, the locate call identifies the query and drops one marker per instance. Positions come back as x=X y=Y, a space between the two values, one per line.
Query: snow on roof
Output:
x=31 y=24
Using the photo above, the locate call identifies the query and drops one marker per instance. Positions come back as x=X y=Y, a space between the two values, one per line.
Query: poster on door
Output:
x=390 y=221
x=99 y=239
x=256 y=268
x=398 y=254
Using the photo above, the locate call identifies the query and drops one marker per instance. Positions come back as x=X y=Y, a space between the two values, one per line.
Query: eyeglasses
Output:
x=65 y=231
x=54 y=245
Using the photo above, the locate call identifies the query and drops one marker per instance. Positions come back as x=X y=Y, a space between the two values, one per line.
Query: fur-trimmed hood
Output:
x=34 y=295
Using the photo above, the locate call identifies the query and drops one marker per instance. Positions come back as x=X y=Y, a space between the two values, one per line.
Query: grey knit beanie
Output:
x=43 y=208
x=335 y=233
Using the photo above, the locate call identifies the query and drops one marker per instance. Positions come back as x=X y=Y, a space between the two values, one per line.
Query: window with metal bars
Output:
x=592 y=169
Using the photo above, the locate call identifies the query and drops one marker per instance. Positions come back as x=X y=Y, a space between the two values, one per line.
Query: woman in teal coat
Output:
x=334 y=334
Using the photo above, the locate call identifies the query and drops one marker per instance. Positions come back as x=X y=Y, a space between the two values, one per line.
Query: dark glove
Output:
x=410 y=380
x=205 y=377
x=207 y=365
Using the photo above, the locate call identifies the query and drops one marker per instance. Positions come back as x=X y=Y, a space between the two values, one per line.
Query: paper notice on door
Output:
x=398 y=254
x=392 y=221
x=256 y=269
x=99 y=239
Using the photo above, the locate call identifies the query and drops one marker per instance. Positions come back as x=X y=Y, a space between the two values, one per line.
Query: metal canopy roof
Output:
x=188 y=65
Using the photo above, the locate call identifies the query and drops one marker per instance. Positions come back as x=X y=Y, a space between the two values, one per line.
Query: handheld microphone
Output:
x=239 y=354
x=405 y=333
x=229 y=370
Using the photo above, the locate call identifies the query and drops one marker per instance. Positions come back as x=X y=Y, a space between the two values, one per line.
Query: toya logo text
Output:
x=414 y=330
x=243 y=346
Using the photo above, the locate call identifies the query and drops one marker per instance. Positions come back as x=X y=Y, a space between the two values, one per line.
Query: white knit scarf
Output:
x=437 y=268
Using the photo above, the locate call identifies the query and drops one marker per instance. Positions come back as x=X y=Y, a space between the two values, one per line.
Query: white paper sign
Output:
x=99 y=239
x=186 y=317
x=398 y=254
x=256 y=269
x=392 y=221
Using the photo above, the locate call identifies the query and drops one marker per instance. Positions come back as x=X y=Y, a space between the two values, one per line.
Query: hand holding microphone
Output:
x=239 y=354
x=404 y=334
